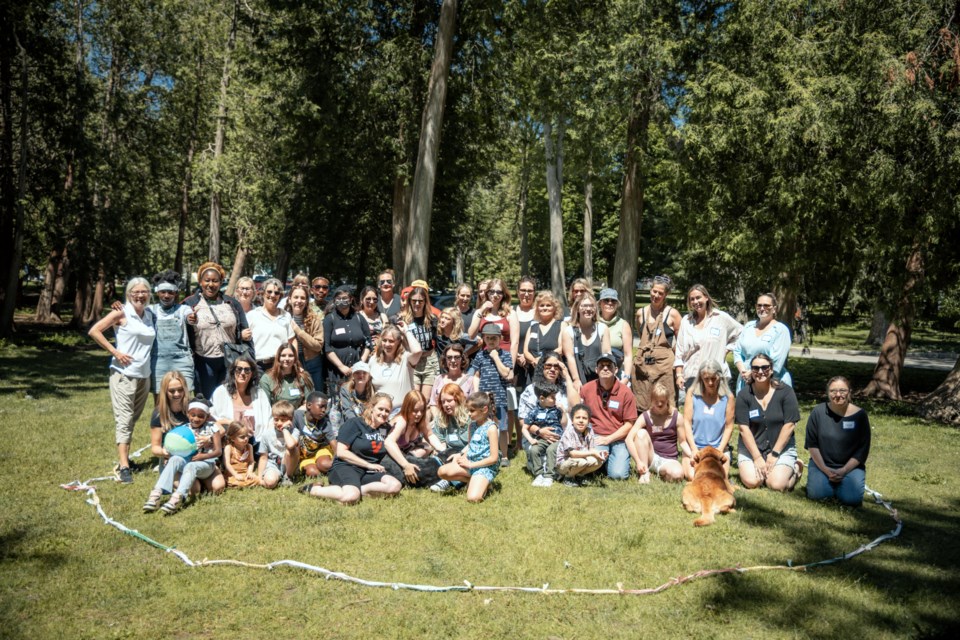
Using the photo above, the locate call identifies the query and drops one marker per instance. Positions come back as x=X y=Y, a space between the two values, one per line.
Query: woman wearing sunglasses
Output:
x=763 y=335
x=766 y=415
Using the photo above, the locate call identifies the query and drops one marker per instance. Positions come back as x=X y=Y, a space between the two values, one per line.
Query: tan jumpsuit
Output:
x=653 y=360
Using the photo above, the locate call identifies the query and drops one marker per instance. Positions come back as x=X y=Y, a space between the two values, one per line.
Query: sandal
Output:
x=307 y=488
x=172 y=505
x=153 y=501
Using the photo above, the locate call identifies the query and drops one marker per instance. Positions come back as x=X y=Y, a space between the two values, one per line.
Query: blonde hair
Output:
x=401 y=342
x=546 y=296
x=163 y=405
x=454 y=314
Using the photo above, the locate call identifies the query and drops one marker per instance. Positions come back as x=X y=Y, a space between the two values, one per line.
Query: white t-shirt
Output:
x=395 y=379
x=269 y=333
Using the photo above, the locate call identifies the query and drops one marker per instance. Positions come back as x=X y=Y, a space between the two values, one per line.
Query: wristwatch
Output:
x=775 y=453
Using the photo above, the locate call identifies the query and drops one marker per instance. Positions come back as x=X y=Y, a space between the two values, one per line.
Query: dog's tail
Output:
x=707 y=516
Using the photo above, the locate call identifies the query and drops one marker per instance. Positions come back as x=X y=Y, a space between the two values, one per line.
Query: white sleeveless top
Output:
x=135 y=338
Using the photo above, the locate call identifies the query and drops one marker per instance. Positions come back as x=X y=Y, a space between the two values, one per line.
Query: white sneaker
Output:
x=440 y=486
x=547 y=482
x=537 y=482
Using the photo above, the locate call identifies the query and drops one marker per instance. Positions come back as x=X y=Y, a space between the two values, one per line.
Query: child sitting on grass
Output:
x=278 y=448
x=577 y=455
x=201 y=466
x=317 y=439
x=479 y=464
x=542 y=428
x=238 y=458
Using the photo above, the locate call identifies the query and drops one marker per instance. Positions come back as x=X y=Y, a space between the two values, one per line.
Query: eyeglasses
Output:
x=383 y=282
x=839 y=392
x=243 y=370
x=526 y=291
x=244 y=288
x=547 y=367
x=606 y=364
x=494 y=292
x=607 y=301
x=454 y=358
x=325 y=287
x=763 y=367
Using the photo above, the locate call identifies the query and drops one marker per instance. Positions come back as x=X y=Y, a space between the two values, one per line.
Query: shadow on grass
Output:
x=917 y=568
x=46 y=372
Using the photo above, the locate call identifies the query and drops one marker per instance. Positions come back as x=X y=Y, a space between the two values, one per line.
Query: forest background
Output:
x=810 y=148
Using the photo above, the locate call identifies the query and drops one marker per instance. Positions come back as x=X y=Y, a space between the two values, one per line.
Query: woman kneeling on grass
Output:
x=766 y=415
x=480 y=463
x=201 y=466
x=357 y=471
x=838 y=438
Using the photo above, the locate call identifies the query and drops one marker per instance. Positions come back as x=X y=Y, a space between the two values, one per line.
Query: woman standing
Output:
x=375 y=319
x=464 y=303
x=135 y=331
x=578 y=287
x=421 y=324
x=763 y=335
x=308 y=330
x=621 y=336
x=392 y=364
x=706 y=334
x=766 y=415
x=357 y=470
x=544 y=334
x=286 y=380
x=526 y=312
x=272 y=327
x=449 y=331
x=219 y=319
x=347 y=339
x=246 y=293
x=239 y=398
x=584 y=340
x=172 y=349
x=708 y=414
x=838 y=438
x=657 y=325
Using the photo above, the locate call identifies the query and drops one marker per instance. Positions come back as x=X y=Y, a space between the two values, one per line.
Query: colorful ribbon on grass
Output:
x=93 y=499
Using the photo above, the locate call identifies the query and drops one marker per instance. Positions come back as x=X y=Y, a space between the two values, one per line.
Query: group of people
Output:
x=381 y=390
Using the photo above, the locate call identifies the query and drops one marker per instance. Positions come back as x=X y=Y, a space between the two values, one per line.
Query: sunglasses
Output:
x=551 y=366
x=243 y=370
x=757 y=369
x=325 y=287
x=494 y=292
x=764 y=306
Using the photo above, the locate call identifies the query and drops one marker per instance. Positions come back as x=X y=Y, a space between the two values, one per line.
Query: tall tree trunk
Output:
x=93 y=304
x=886 y=376
x=878 y=326
x=944 y=403
x=54 y=283
x=460 y=271
x=214 y=252
x=401 y=211
x=522 y=210
x=421 y=203
x=8 y=203
x=631 y=205
x=12 y=263
x=187 y=184
x=588 y=225
x=786 y=292
x=239 y=261
x=553 y=150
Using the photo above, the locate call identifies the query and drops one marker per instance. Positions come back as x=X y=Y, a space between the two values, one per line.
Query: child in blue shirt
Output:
x=492 y=369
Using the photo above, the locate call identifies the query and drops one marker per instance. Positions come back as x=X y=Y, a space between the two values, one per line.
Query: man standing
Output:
x=389 y=303
x=320 y=287
x=614 y=410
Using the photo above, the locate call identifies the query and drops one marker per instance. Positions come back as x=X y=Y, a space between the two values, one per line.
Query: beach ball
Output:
x=180 y=441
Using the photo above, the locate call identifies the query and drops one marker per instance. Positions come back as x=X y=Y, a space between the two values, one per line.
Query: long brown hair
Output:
x=302 y=380
x=167 y=421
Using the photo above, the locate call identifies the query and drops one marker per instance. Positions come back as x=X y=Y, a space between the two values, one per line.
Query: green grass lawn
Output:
x=853 y=335
x=66 y=574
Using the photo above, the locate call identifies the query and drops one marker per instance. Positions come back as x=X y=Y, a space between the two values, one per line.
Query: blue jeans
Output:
x=314 y=367
x=189 y=471
x=618 y=463
x=848 y=491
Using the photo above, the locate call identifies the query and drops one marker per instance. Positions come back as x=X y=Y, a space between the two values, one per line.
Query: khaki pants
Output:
x=573 y=467
x=128 y=396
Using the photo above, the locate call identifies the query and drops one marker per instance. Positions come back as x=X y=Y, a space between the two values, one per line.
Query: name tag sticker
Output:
x=614 y=404
x=849 y=424
x=533 y=335
x=294 y=391
x=541 y=416
x=715 y=331
x=708 y=411
x=755 y=413
x=766 y=337
x=339 y=331
x=658 y=332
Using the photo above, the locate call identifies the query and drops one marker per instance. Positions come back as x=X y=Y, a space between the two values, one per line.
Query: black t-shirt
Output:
x=766 y=425
x=362 y=441
x=345 y=335
x=838 y=438
x=542 y=341
x=426 y=337
x=179 y=418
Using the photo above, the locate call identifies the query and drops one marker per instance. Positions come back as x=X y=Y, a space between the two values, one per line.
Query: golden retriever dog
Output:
x=710 y=492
